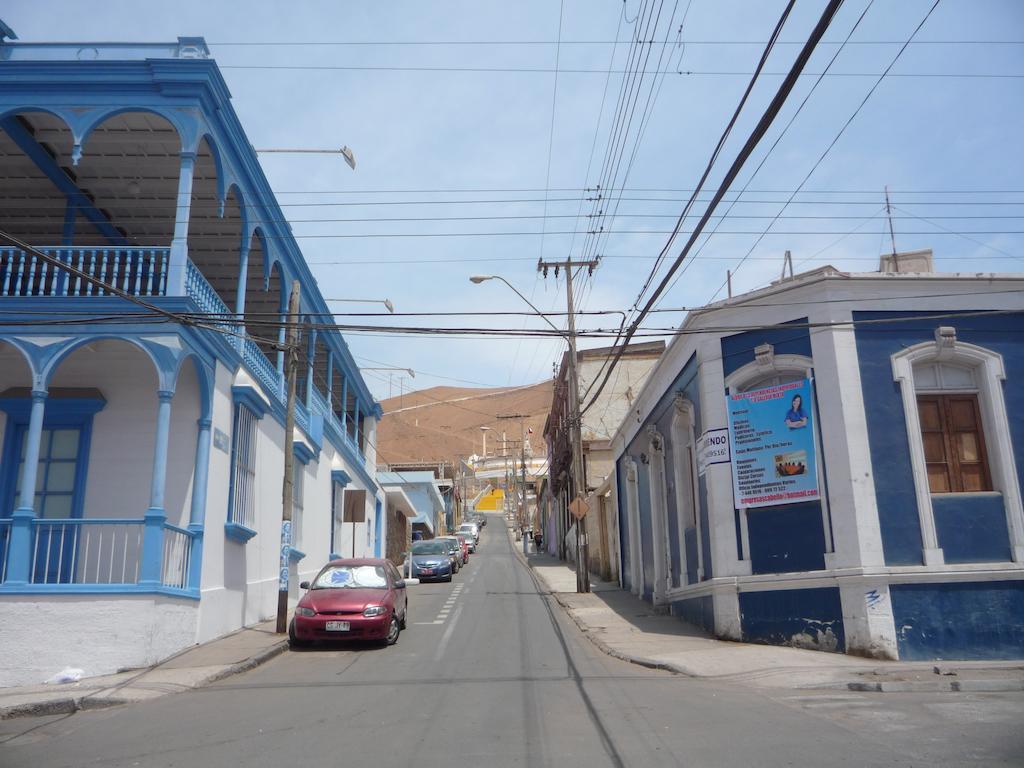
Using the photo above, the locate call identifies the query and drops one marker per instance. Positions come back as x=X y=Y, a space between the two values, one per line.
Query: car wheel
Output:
x=394 y=628
x=402 y=621
x=293 y=641
x=449 y=577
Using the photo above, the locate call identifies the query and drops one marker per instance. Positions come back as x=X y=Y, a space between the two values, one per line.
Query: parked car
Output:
x=430 y=561
x=464 y=544
x=454 y=549
x=469 y=542
x=472 y=529
x=352 y=599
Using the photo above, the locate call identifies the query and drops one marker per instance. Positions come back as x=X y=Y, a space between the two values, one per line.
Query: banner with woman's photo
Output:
x=771 y=434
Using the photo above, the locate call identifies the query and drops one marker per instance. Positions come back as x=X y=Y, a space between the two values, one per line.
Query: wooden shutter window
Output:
x=954 y=445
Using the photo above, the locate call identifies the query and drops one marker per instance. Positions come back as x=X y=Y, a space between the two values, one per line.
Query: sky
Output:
x=489 y=127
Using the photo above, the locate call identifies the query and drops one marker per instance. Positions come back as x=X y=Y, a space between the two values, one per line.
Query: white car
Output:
x=472 y=529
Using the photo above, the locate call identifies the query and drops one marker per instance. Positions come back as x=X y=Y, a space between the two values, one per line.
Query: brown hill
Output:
x=443 y=423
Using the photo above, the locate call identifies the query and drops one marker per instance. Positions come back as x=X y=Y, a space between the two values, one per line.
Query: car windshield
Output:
x=466 y=528
x=429 y=548
x=351 y=577
x=452 y=544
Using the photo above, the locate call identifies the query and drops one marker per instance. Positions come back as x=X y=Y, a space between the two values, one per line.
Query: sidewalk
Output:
x=628 y=628
x=192 y=668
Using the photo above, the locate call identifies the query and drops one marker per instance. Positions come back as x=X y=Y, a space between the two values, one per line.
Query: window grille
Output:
x=243 y=468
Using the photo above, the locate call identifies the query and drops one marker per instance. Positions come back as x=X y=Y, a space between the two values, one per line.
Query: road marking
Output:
x=424 y=623
x=447 y=635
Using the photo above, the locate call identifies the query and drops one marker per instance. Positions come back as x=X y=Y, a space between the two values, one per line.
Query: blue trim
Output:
x=378 y=511
x=45 y=163
x=303 y=453
x=294 y=555
x=97 y=589
x=238 y=532
x=251 y=399
x=357 y=463
x=341 y=477
x=336 y=556
x=58 y=412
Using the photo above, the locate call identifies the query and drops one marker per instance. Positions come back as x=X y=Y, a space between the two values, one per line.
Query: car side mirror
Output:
x=304 y=585
x=400 y=584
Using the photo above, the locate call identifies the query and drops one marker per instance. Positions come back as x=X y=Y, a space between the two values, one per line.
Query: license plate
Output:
x=426 y=570
x=337 y=626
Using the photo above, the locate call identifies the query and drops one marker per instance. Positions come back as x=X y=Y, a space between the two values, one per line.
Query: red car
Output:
x=359 y=599
x=465 y=547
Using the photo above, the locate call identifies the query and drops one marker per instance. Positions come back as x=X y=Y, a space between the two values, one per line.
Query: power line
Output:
x=564 y=71
x=695 y=41
x=839 y=135
x=775 y=144
x=755 y=137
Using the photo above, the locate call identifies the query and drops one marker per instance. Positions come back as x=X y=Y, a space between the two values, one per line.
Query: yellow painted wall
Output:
x=492 y=502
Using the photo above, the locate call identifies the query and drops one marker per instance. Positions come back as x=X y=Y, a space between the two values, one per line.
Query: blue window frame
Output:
x=60 y=476
x=241 y=517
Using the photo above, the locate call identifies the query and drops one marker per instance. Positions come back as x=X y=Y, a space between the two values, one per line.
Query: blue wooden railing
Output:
x=107 y=554
x=141 y=271
x=138 y=271
x=202 y=293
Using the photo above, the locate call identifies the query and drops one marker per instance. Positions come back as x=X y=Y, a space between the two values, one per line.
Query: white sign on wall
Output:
x=712 y=448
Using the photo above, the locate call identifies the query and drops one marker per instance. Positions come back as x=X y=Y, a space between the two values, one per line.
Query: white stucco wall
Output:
x=240 y=580
x=123 y=433
x=98 y=634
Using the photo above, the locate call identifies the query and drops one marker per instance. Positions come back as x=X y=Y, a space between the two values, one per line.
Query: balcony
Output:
x=100 y=555
x=136 y=271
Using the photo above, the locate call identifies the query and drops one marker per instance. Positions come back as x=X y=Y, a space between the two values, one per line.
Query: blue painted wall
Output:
x=699 y=611
x=786 y=538
x=791 y=537
x=624 y=540
x=972 y=530
x=738 y=350
x=643 y=486
x=894 y=484
x=779 y=616
x=661 y=417
x=977 y=620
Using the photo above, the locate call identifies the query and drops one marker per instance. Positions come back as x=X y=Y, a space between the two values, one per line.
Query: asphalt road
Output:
x=491 y=673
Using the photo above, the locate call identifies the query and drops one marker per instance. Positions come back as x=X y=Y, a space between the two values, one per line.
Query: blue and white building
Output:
x=909 y=540
x=141 y=457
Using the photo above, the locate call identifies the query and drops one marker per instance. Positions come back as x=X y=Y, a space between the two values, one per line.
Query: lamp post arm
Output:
x=529 y=303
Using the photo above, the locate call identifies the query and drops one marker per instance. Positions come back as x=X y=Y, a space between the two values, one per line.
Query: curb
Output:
x=588 y=633
x=938 y=686
x=64 y=706
x=886 y=686
x=244 y=666
x=70 y=704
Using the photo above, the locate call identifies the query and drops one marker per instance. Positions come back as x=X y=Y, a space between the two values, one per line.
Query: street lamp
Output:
x=345 y=152
x=575 y=422
x=484 y=431
x=386 y=302
x=410 y=371
x=477 y=279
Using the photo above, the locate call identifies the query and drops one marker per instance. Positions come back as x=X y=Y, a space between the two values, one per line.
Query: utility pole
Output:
x=578 y=480
x=522 y=460
x=291 y=356
x=892 y=234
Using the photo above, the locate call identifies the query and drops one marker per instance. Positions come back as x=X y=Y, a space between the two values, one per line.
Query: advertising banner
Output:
x=712 y=448
x=771 y=434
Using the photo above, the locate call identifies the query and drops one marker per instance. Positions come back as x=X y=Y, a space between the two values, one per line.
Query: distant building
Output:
x=415 y=509
x=142 y=455
x=598 y=425
x=842 y=471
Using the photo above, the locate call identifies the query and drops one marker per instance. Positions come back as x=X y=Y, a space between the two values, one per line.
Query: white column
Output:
x=179 y=245
x=721 y=531
x=845 y=447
